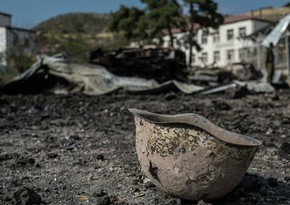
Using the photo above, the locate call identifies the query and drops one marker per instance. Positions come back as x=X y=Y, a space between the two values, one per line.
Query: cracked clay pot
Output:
x=189 y=157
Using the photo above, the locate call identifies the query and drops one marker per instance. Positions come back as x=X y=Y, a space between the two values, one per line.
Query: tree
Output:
x=130 y=22
x=287 y=5
x=163 y=15
x=204 y=14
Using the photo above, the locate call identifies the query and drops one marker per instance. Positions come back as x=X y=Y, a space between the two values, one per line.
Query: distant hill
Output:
x=270 y=13
x=87 y=23
x=76 y=34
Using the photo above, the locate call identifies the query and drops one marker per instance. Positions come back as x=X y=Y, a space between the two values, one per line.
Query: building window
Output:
x=204 y=57
x=243 y=54
x=230 y=34
x=216 y=37
x=242 y=32
x=216 y=56
x=204 y=38
x=230 y=55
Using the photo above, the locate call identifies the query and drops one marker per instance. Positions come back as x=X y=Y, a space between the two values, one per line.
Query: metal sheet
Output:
x=275 y=35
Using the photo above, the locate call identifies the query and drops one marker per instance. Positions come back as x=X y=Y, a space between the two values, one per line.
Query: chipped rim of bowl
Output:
x=200 y=122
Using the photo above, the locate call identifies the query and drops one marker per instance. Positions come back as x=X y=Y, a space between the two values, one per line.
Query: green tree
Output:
x=163 y=15
x=204 y=14
x=130 y=22
x=287 y=5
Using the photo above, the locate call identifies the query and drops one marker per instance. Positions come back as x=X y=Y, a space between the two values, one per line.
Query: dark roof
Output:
x=5 y=14
x=20 y=29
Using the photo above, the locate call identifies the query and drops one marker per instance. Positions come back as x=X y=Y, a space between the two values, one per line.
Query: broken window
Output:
x=230 y=34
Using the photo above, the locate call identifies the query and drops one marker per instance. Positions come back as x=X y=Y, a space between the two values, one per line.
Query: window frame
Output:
x=242 y=31
x=230 y=34
x=216 y=56
x=204 y=57
x=230 y=55
x=216 y=37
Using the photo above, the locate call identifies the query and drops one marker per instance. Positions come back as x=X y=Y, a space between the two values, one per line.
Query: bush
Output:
x=20 y=61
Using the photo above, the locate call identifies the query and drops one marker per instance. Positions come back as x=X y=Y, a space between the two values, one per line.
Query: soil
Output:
x=77 y=149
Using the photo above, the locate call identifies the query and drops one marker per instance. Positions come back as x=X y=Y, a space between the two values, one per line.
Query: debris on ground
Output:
x=73 y=148
x=58 y=75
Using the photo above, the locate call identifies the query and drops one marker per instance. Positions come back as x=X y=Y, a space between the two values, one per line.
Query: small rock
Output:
x=269 y=131
x=75 y=137
x=25 y=161
x=118 y=199
x=4 y=157
x=99 y=193
x=135 y=181
x=138 y=194
x=149 y=184
x=100 y=157
x=52 y=155
x=82 y=197
x=287 y=179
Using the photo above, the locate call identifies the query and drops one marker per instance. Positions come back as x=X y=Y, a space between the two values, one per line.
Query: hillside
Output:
x=270 y=13
x=76 y=34
x=89 y=23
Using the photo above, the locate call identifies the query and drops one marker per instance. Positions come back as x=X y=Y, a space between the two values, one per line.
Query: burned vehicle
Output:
x=161 y=64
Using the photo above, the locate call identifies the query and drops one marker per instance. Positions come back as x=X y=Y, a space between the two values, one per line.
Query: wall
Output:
x=3 y=46
x=237 y=44
x=20 y=39
x=5 y=20
x=14 y=39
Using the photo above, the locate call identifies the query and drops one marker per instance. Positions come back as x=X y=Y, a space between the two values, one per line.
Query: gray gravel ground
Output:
x=75 y=149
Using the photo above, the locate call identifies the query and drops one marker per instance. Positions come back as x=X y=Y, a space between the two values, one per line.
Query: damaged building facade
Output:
x=14 y=39
x=225 y=45
x=238 y=40
x=277 y=34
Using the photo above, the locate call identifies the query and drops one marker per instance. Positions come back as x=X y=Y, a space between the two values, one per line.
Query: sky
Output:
x=29 y=13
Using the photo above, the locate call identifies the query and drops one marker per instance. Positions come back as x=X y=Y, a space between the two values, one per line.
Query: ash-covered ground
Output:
x=77 y=149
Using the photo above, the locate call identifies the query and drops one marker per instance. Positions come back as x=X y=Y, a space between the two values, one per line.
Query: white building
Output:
x=14 y=39
x=225 y=45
